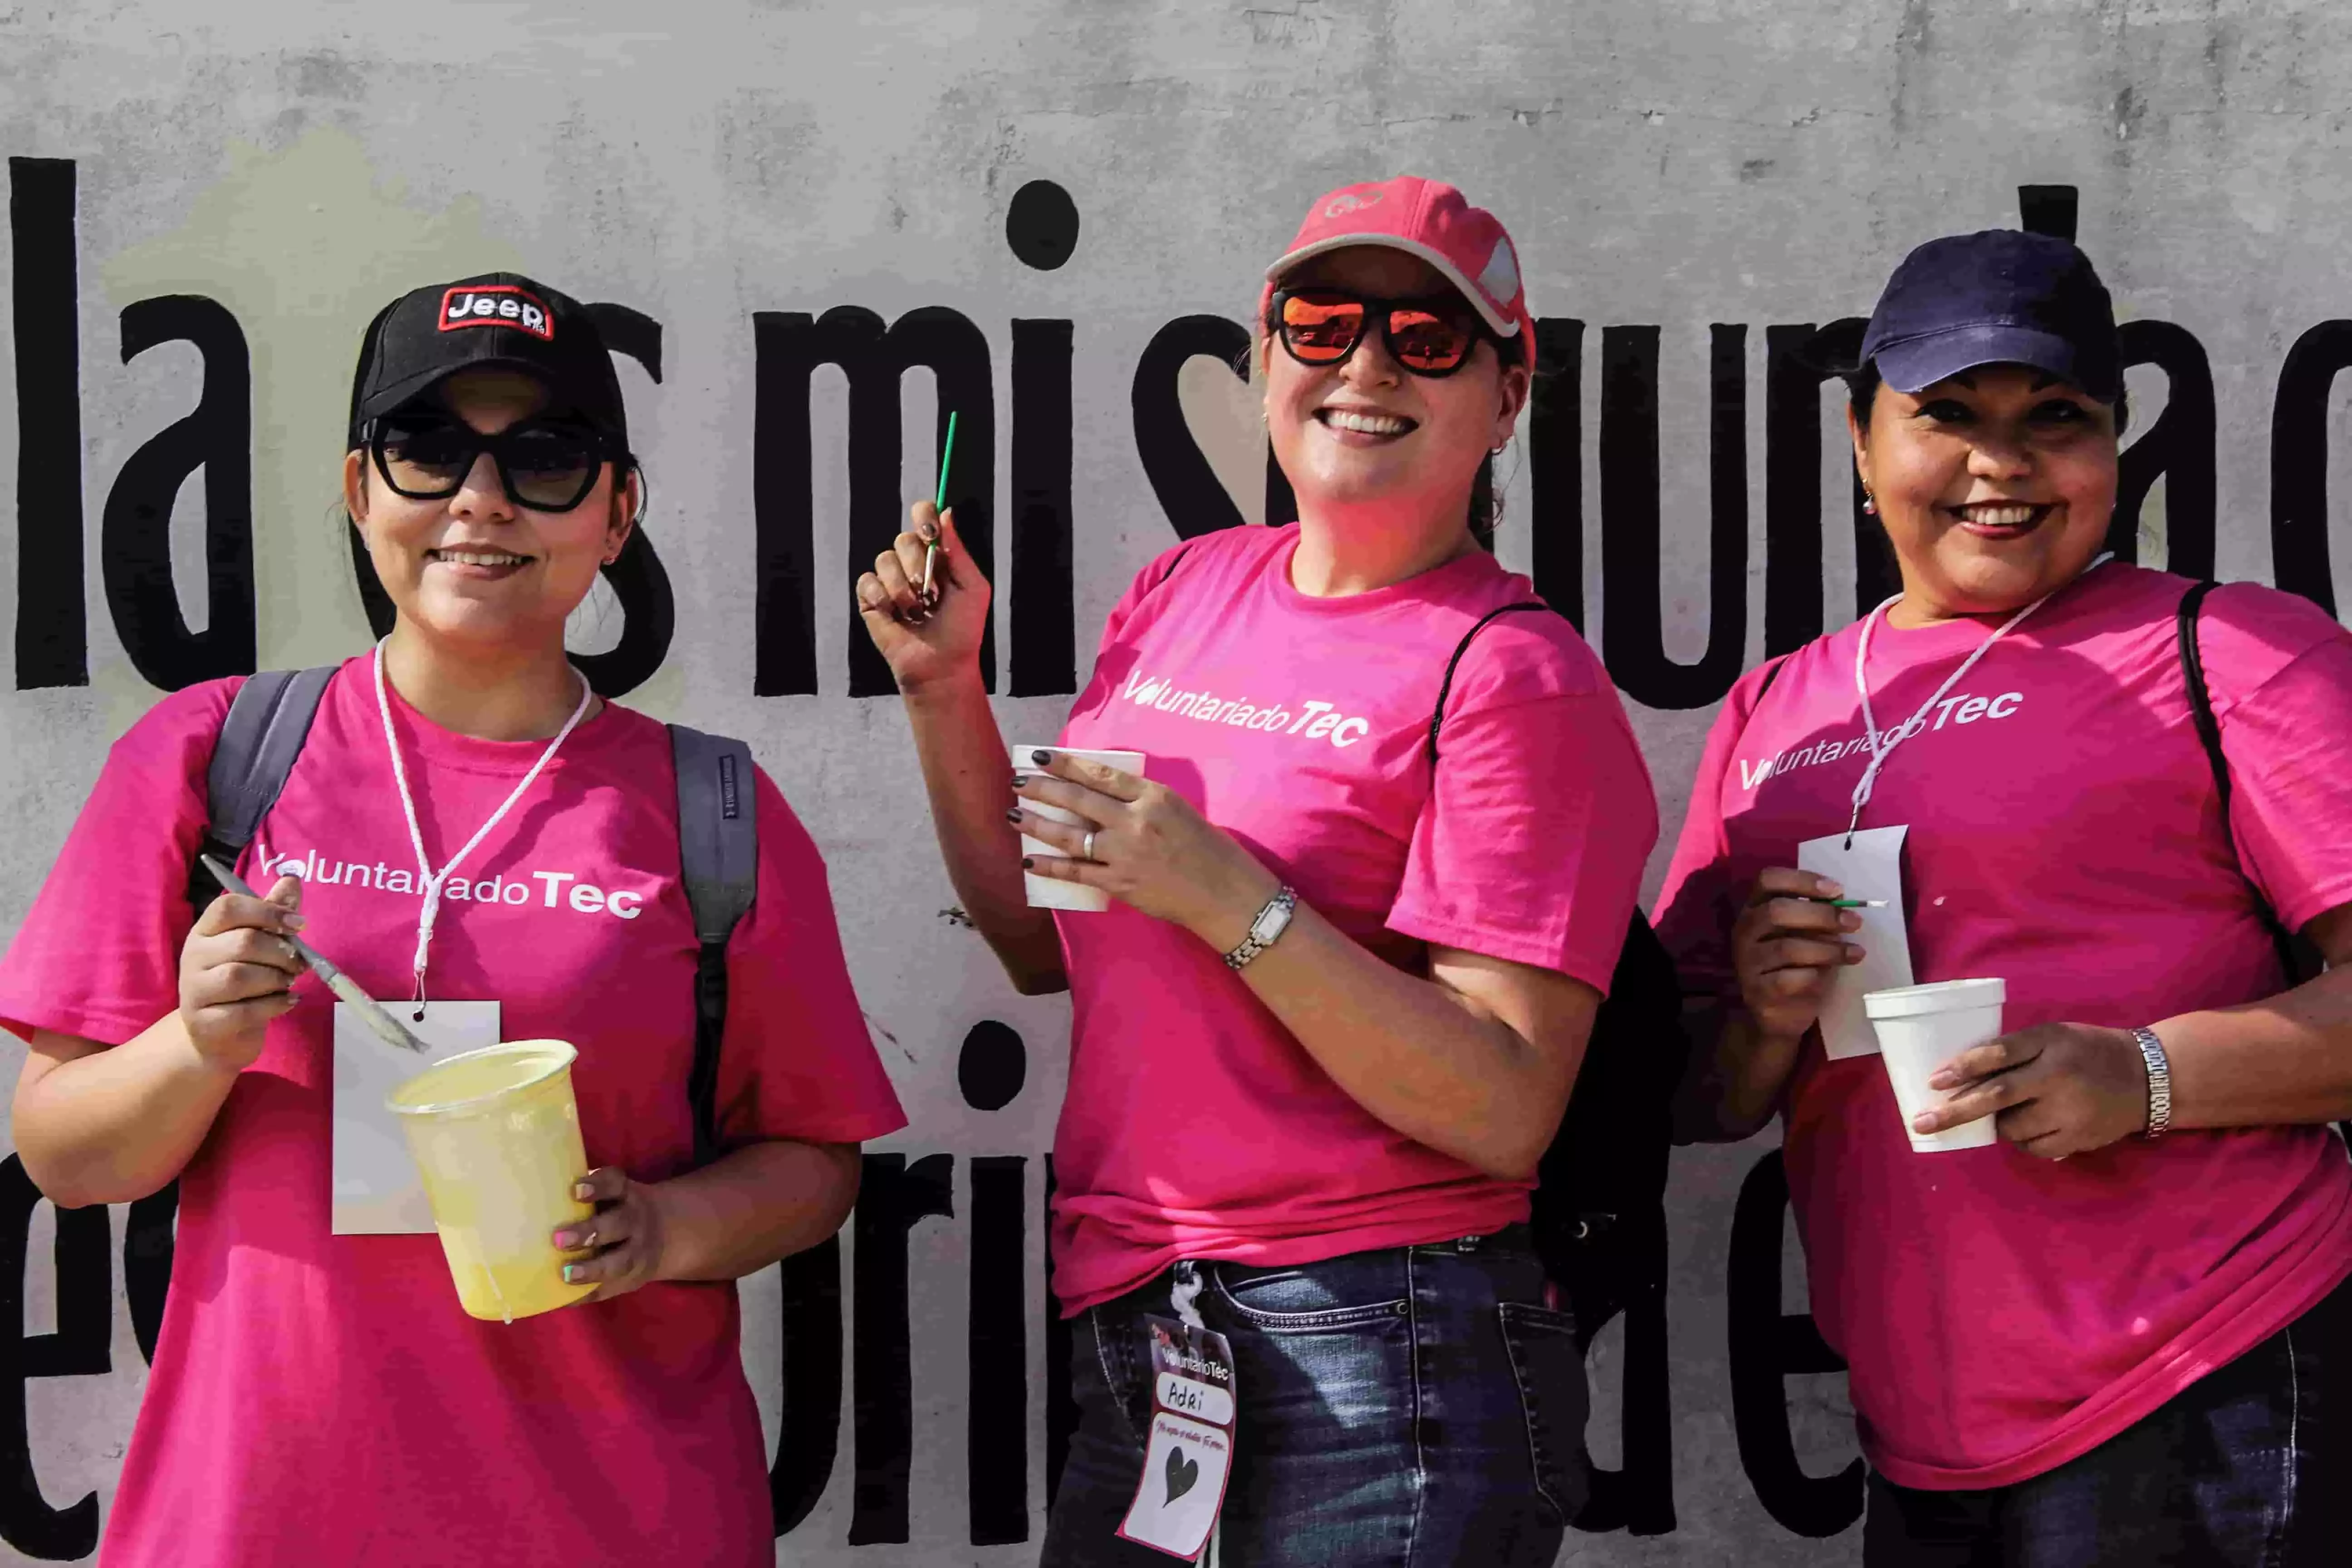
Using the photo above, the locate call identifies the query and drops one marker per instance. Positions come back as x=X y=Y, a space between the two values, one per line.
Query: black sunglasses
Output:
x=1321 y=327
x=545 y=465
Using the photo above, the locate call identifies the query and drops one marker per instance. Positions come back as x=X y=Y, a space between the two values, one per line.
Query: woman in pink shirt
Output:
x=1331 y=1017
x=318 y=1397
x=2118 y=1333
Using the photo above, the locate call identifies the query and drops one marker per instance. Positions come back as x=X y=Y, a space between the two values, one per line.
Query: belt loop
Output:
x=1468 y=1245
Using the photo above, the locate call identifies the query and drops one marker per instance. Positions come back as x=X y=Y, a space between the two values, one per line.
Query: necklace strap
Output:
x=1883 y=747
x=431 y=881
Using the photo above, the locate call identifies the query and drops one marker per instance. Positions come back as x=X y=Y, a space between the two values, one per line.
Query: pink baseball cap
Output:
x=1429 y=219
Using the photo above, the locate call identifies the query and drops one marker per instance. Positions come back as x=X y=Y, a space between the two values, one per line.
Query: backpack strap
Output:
x=1445 y=687
x=718 y=853
x=2209 y=735
x=268 y=720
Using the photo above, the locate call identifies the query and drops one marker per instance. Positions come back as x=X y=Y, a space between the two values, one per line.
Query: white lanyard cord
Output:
x=1881 y=748
x=431 y=881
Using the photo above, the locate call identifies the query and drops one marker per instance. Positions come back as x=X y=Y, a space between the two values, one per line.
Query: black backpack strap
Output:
x=2297 y=957
x=718 y=853
x=1445 y=687
x=268 y=720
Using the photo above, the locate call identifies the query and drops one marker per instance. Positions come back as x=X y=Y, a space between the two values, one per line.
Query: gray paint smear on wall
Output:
x=1681 y=164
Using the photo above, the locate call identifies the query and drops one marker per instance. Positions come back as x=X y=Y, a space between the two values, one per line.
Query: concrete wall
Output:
x=1684 y=178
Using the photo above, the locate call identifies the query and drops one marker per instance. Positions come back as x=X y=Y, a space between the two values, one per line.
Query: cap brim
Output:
x=410 y=388
x=1503 y=326
x=1919 y=362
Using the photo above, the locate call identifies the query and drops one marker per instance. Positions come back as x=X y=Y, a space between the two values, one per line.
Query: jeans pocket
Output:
x=1121 y=1390
x=1550 y=1367
x=1307 y=1297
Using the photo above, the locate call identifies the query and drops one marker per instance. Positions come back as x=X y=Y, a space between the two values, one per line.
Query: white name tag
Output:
x=376 y=1189
x=1190 y=1454
x=1872 y=868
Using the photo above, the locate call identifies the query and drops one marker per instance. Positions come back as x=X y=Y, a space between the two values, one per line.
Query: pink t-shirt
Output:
x=2003 y=1313
x=317 y=1397
x=1196 y=1125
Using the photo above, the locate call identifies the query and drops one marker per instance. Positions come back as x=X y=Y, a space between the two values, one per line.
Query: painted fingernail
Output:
x=1013 y=816
x=584 y=1191
x=1027 y=864
x=1042 y=759
x=572 y=1272
x=1019 y=779
x=929 y=530
x=566 y=1240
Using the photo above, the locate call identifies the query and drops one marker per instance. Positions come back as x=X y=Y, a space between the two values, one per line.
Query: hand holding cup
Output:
x=622 y=1241
x=1150 y=849
x=2053 y=1090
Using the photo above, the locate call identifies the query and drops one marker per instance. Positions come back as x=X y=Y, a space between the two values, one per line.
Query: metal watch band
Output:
x=2159 y=1082
x=1286 y=900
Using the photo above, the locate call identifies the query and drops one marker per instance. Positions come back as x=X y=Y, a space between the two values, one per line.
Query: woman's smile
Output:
x=478 y=566
x=2002 y=519
x=1353 y=424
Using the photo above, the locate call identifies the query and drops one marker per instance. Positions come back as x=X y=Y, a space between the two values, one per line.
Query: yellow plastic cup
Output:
x=496 y=1136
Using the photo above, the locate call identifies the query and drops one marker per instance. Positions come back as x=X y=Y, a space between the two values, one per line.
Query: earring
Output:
x=1869 y=501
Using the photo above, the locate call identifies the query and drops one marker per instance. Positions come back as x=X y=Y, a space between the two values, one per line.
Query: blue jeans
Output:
x=2249 y=1467
x=1416 y=1406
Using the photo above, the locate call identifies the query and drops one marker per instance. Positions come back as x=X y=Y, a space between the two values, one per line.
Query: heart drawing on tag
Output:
x=1181 y=1473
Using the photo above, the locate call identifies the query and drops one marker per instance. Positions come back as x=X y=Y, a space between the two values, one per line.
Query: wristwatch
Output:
x=1267 y=929
x=2159 y=1082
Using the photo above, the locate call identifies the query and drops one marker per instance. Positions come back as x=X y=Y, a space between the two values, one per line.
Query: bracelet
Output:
x=2159 y=1082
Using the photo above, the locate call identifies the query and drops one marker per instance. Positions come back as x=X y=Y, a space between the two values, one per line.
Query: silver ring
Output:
x=1087 y=850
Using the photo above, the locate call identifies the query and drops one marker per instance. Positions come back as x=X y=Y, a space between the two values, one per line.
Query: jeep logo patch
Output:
x=497 y=305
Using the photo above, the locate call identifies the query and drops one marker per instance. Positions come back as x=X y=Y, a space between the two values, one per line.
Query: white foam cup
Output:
x=1921 y=1027
x=1051 y=892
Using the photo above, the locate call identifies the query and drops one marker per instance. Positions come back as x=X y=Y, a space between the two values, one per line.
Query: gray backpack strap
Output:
x=268 y=720
x=718 y=853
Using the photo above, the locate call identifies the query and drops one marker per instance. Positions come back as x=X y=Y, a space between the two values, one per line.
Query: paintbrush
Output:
x=939 y=504
x=372 y=1012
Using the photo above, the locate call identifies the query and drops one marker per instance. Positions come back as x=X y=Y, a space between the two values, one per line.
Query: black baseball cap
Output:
x=498 y=319
x=2001 y=296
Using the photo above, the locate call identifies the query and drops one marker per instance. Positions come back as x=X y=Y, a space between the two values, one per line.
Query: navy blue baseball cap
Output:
x=1998 y=297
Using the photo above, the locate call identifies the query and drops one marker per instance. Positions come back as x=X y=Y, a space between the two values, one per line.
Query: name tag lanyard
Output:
x=1882 y=745
x=430 y=879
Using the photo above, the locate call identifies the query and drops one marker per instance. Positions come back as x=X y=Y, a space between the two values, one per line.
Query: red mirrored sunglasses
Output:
x=1321 y=327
